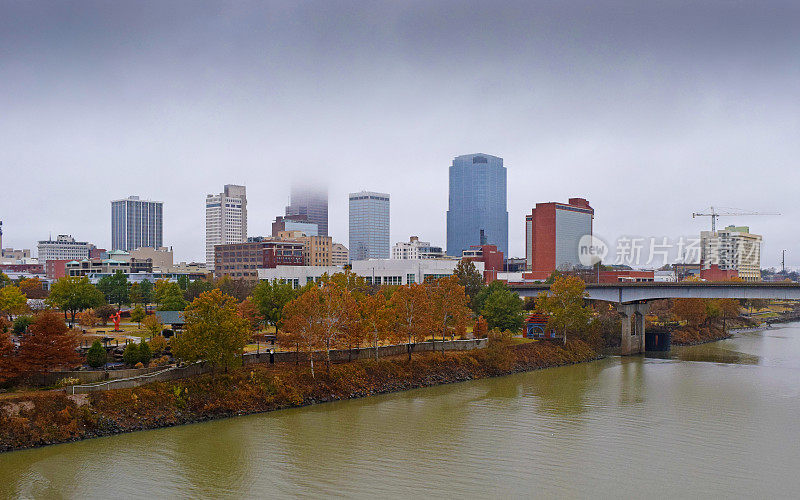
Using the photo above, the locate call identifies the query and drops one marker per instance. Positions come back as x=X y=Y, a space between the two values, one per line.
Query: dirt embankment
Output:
x=55 y=417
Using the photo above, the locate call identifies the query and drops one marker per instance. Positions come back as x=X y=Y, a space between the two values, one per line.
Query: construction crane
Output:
x=714 y=214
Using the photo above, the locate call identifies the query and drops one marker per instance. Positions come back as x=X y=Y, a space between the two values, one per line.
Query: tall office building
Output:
x=136 y=223
x=311 y=201
x=477 y=213
x=369 y=226
x=226 y=219
x=734 y=248
x=553 y=232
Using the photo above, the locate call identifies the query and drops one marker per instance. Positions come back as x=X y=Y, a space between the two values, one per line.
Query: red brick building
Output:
x=552 y=233
x=491 y=257
x=242 y=260
x=714 y=273
x=56 y=268
x=22 y=268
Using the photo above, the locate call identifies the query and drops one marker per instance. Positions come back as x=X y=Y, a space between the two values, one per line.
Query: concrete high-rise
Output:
x=136 y=223
x=311 y=201
x=226 y=219
x=369 y=225
x=734 y=248
x=477 y=212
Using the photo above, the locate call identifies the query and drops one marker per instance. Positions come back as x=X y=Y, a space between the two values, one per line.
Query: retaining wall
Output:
x=337 y=356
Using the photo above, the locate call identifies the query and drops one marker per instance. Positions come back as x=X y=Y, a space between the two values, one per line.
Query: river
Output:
x=720 y=419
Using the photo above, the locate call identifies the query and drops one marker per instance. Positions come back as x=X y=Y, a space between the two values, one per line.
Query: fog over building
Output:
x=311 y=201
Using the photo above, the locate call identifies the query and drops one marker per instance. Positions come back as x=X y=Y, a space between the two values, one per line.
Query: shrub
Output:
x=145 y=354
x=131 y=354
x=68 y=381
x=96 y=355
x=21 y=324
x=138 y=365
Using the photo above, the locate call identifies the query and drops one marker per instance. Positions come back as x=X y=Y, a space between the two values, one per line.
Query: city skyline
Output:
x=625 y=115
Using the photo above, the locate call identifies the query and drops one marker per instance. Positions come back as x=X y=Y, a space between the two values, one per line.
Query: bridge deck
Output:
x=624 y=293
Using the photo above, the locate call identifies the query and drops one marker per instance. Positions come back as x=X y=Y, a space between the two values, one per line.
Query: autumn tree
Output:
x=49 y=345
x=409 y=305
x=214 y=331
x=73 y=294
x=146 y=292
x=249 y=311
x=565 y=305
x=137 y=315
x=239 y=289
x=9 y=369
x=104 y=312
x=153 y=325
x=481 y=328
x=303 y=324
x=693 y=311
x=377 y=319
x=87 y=318
x=338 y=307
x=449 y=305
x=32 y=288
x=12 y=301
x=196 y=287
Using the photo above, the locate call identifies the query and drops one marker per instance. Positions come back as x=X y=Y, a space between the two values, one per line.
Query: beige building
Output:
x=226 y=219
x=339 y=255
x=733 y=248
x=316 y=249
x=160 y=257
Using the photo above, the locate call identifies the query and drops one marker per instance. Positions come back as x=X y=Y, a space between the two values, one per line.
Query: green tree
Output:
x=479 y=300
x=137 y=315
x=96 y=356
x=183 y=282
x=214 y=332
x=73 y=294
x=270 y=297
x=12 y=301
x=115 y=288
x=131 y=354
x=170 y=297
x=4 y=280
x=135 y=294
x=21 y=324
x=145 y=354
x=472 y=281
x=565 y=305
x=153 y=325
x=146 y=291
x=502 y=309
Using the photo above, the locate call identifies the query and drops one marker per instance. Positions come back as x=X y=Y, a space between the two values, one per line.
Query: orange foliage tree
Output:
x=303 y=324
x=448 y=305
x=249 y=311
x=409 y=304
x=481 y=328
x=8 y=360
x=32 y=288
x=693 y=311
x=377 y=319
x=48 y=345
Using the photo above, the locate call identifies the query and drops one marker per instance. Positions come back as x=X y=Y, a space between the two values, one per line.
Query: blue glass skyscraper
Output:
x=477 y=213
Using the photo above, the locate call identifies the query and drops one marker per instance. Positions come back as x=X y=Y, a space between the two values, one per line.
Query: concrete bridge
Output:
x=632 y=299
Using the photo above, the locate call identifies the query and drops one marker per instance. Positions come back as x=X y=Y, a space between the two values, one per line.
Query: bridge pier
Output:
x=632 y=337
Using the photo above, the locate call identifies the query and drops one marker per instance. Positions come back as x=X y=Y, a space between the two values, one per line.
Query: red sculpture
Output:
x=116 y=318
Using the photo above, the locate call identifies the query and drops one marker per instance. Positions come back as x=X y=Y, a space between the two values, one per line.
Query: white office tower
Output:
x=226 y=219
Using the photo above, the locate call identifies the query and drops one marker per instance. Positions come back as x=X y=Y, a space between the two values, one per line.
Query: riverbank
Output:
x=56 y=417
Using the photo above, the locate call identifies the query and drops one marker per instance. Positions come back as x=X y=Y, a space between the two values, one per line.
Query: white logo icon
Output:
x=591 y=250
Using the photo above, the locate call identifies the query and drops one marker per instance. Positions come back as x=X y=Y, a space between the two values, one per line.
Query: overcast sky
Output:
x=650 y=110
